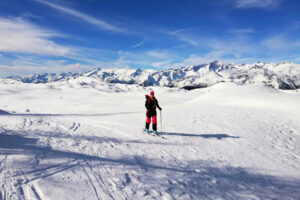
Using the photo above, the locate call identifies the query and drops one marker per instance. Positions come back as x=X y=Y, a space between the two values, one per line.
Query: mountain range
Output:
x=284 y=75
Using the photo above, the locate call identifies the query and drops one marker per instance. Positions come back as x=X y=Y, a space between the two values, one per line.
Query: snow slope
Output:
x=83 y=139
x=282 y=75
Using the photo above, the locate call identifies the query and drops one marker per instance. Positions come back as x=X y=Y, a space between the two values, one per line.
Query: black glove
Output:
x=160 y=108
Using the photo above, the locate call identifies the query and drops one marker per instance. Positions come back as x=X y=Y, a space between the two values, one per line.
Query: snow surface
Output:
x=83 y=139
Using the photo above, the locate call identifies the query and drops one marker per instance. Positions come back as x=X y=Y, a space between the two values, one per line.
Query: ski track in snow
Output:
x=214 y=148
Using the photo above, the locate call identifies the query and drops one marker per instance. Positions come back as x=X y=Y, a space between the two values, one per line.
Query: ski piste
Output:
x=154 y=135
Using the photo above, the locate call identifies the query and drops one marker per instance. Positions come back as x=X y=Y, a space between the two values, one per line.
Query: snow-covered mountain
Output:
x=282 y=75
x=44 y=78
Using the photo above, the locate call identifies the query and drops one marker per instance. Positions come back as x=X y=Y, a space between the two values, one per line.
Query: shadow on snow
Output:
x=193 y=180
x=2 y=112
x=92 y=138
x=207 y=136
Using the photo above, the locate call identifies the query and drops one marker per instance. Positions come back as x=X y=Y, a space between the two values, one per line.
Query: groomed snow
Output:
x=83 y=139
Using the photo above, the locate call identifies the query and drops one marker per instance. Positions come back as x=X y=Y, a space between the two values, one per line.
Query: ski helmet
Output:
x=152 y=93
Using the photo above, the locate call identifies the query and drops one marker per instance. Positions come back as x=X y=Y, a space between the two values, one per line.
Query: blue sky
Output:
x=58 y=35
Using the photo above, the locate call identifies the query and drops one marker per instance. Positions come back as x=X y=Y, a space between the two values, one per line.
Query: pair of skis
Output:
x=154 y=134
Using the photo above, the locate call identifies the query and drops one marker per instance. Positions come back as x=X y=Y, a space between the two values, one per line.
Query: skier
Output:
x=151 y=104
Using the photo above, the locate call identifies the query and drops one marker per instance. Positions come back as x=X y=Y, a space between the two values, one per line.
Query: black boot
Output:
x=147 y=126
x=154 y=127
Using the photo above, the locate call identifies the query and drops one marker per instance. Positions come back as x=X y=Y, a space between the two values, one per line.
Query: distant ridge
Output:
x=281 y=76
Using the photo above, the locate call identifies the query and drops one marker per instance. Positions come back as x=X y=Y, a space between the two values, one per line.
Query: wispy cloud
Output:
x=181 y=35
x=84 y=17
x=280 y=42
x=141 y=43
x=242 y=31
x=235 y=47
x=17 y=35
x=256 y=3
x=159 y=54
x=161 y=58
x=29 y=15
x=9 y=70
x=33 y=64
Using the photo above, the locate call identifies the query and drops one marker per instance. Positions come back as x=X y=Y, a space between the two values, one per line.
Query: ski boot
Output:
x=147 y=130
x=155 y=132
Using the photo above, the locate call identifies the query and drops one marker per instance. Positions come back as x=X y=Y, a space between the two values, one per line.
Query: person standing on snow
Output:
x=151 y=104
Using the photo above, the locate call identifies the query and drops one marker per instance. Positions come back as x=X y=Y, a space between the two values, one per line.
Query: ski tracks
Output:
x=10 y=186
x=18 y=183
x=99 y=178
x=3 y=191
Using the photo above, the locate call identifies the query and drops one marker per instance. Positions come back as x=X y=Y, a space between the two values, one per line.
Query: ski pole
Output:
x=160 y=122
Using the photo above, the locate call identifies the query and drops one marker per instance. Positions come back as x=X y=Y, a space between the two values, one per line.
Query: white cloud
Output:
x=279 y=42
x=17 y=35
x=89 y=19
x=256 y=3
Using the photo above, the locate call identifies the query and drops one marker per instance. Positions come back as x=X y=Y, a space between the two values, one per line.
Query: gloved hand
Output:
x=160 y=108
